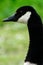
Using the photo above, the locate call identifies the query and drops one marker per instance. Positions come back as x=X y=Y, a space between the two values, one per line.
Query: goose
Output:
x=28 y=15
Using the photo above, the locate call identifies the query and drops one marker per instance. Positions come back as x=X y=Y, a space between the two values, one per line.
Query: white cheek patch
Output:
x=28 y=63
x=24 y=18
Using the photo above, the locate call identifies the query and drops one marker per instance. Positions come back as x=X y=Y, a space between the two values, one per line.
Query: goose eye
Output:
x=20 y=11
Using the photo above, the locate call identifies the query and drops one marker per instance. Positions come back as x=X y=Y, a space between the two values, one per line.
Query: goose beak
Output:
x=8 y=19
x=12 y=18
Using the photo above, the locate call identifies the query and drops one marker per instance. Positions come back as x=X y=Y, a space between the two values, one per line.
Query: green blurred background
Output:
x=14 y=40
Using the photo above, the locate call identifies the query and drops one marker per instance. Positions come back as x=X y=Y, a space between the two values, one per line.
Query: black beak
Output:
x=12 y=18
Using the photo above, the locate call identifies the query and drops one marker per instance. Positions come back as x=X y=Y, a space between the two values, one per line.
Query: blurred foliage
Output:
x=13 y=43
x=14 y=38
x=8 y=7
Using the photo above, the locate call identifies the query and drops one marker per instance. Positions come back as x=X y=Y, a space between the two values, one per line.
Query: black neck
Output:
x=35 y=32
x=35 y=28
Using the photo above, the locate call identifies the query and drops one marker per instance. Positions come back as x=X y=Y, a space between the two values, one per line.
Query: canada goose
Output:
x=27 y=14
